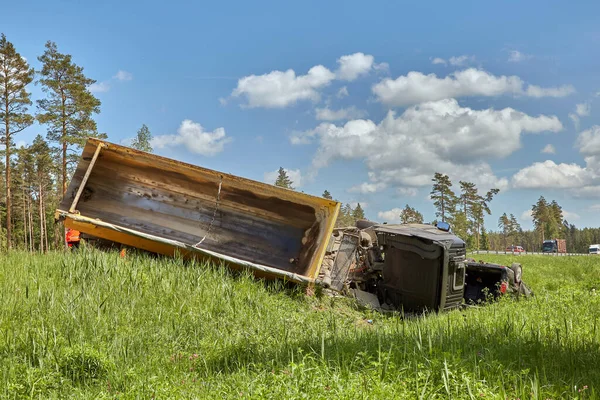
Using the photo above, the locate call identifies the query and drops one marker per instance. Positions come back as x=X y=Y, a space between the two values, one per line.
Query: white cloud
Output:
x=526 y=216
x=407 y=191
x=381 y=67
x=434 y=136
x=366 y=188
x=549 y=175
x=294 y=174
x=583 y=109
x=461 y=60
x=588 y=141
x=416 y=87
x=517 y=56
x=126 y=142
x=193 y=136
x=326 y=114
x=343 y=92
x=561 y=91
x=581 y=181
x=570 y=216
x=587 y=192
x=575 y=119
x=354 y=65
x=123 y=76
x=454 y=61
x=99 y=87
x=279 y=89
x=363 y=204
x=392 y=215
x=104 y=86
x=549 y=149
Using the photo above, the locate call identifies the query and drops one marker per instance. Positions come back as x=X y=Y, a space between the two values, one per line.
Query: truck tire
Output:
x=518 y=270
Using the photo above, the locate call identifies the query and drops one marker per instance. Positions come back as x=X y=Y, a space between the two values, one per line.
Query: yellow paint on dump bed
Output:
x=166 y=206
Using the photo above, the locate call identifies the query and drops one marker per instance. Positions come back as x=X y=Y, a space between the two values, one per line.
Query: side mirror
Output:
x=443 y=226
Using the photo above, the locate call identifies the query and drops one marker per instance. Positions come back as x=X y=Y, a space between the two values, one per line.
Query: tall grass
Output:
x=93 y=325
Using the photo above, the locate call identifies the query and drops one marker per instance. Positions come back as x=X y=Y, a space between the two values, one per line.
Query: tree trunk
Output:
x=64 y=160
x=8 y=196
x=45 y=226
x=31 y=241
x=41 y=207
x=24 y=218
x=443 y=209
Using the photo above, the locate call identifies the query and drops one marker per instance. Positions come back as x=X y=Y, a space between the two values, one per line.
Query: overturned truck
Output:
x=160 y=205
x=413 y=267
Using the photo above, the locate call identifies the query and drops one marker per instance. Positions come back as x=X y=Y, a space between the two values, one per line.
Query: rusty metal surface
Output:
x=258 y=223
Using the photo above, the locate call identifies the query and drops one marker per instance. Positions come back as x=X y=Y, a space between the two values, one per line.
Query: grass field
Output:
x=92 y=325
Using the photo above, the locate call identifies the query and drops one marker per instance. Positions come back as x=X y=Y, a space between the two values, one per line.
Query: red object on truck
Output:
x=72 y=237
x=561 y=245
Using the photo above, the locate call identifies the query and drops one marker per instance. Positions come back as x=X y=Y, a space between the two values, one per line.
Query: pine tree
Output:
x=480 y=208
x=485 y=240
x=142 y=139
x=358 y=213
x=345 y=217
x=468 y=196
x=283 y=180
x=504 y=226
x=43 y=166
x=69 y=105
x=460 y=226
x=443 y=197
x=540 y=215
x=15 y=75
x=410 y=215
x=327 y=195
x=22 y=197
x=555 y=223
x=515 y=229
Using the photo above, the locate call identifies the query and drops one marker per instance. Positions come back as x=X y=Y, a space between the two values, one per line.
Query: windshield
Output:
x=594 y=250
x=548 y=246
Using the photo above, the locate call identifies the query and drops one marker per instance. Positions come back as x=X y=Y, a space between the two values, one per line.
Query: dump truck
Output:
x=168 y=207
x=121 y=195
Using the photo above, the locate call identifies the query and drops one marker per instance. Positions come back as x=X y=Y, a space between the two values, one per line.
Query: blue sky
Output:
x=366 y=100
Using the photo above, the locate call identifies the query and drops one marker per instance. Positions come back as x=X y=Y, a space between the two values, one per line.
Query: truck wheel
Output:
x=518 y=270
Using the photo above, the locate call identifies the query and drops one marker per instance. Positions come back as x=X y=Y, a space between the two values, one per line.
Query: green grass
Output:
x=92 y=325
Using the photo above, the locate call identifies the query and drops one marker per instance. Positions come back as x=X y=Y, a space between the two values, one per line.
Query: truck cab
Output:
x=594 y=249
x=411 y=267
x=549 y=246
x=554 y=246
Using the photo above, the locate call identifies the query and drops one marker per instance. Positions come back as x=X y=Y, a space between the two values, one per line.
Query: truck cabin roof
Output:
x=423 y=231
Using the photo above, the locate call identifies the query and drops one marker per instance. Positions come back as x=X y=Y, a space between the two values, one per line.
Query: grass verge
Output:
x=93 y=325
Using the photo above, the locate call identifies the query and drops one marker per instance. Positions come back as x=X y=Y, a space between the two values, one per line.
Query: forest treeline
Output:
x=36 y=175
x=465 y=210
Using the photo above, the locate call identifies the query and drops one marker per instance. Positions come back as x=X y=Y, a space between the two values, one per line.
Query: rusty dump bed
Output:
x=168 y=207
